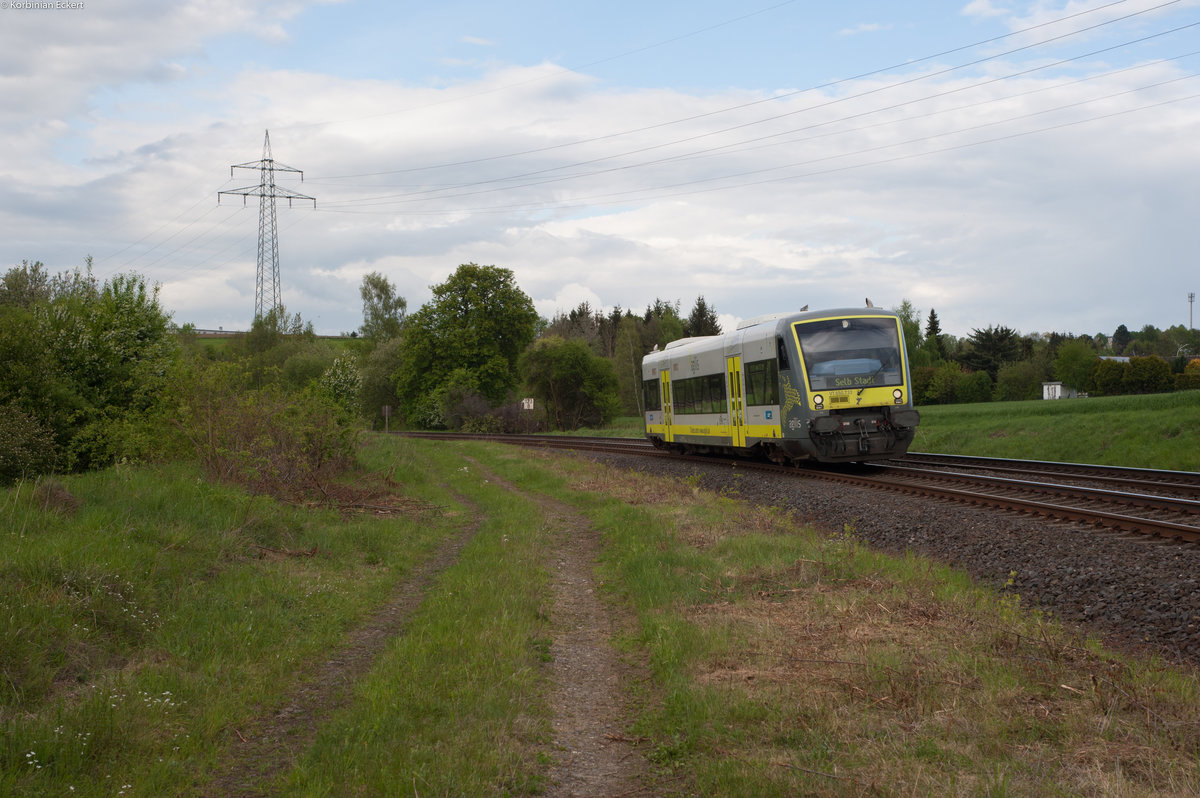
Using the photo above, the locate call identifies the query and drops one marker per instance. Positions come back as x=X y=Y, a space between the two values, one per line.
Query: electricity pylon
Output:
x=266 y=293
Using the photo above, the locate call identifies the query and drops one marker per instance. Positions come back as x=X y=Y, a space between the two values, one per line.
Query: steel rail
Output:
x=1149 y=478
x=1151 y=501
x=1166 y=529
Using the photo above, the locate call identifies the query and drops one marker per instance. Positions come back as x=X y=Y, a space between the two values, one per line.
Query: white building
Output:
x=1056 y=390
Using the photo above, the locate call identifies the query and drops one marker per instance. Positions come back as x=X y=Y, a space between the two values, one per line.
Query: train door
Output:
x=737 y=413
x=667 y=407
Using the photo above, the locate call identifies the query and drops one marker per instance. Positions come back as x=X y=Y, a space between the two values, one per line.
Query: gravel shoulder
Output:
x=1136 y=593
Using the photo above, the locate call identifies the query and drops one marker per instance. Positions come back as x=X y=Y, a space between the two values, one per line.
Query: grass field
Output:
x=1156 y=431
x=148 y=619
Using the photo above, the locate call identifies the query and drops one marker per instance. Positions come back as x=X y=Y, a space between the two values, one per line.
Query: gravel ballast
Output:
x=1135 y=592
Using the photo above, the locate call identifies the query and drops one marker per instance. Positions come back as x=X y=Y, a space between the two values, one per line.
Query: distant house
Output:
x=1056 y=390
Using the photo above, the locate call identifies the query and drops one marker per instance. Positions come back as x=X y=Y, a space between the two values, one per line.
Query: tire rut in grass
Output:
x=271 y=745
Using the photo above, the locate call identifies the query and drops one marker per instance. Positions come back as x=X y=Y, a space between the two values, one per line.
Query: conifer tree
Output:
x=933 y=332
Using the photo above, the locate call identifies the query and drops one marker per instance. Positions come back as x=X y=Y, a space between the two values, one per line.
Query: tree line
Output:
x=997 y=363
x=93 y=374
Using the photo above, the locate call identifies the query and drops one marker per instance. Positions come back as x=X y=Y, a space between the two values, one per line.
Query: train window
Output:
x=687 y=397
x=701 y=395
x=781 y=354
x=715 y=400
x=762 y=383
x=850 y=353
x=651 y=395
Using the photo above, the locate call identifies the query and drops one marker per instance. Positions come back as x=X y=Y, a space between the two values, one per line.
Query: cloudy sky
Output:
x=1032 y=164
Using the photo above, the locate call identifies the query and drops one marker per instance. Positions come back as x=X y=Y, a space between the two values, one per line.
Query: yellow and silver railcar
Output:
x=831 y=386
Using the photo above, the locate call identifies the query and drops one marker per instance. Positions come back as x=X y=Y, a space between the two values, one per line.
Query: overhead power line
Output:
x=546 y=175
x=908 y=64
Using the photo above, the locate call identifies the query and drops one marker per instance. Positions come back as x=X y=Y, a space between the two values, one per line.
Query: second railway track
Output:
x=1165 y=504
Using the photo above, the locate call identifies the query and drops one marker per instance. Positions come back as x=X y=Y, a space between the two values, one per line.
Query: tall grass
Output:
x=145 y=614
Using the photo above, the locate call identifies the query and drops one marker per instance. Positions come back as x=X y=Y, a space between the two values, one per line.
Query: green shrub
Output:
x=272 y=442
x=1149 y=374
x=26 y=447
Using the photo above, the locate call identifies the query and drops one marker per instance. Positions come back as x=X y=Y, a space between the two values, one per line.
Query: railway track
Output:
x=1164 y=504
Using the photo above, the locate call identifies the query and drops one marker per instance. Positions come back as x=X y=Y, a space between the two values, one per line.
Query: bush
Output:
x=1149 y=374
x=943 y=385
x=488 y=424
x=514 y=418
x=974 y=387
x=1021 y=381
x=426 y=413
x=286 y=445
x=26 y=447
x=1187 y=382
x=86 y=360
x=306 y=365
x=1108 y=378
x=342 y=383
x=922 y=376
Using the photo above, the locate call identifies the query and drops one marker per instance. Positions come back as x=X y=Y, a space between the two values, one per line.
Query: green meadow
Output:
x=151 y=619
x=1154 y=431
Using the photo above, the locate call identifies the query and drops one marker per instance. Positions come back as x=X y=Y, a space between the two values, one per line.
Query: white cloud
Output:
x=984 y=8
x=866 y=27
x=898 y=193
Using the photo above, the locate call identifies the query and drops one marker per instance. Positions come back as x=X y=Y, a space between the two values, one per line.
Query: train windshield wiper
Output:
x=871 y=380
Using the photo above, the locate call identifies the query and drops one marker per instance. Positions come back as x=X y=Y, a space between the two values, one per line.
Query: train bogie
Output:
x=831 y=386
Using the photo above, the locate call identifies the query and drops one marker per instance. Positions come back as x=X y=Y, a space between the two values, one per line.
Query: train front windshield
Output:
x=850 y=353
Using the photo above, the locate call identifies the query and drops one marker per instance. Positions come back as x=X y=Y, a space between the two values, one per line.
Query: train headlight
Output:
x=818 y=401
x=898 y=395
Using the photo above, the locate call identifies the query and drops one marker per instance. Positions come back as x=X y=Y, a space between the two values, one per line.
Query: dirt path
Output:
x=592 y=756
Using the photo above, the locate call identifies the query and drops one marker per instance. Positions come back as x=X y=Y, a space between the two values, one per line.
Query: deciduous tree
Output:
x=1019 y=381
x=910 y=323
x=1074 y=363
x=576 y=387
x=478 y=322
x=383 y=309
